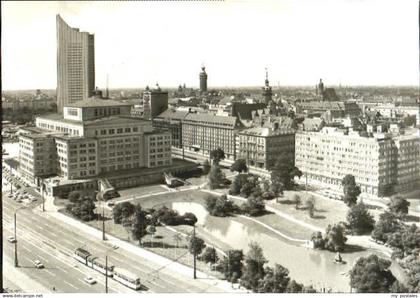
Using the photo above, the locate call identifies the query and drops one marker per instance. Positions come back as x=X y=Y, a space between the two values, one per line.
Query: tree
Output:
x=398 y=287
x=87 y=208
x=217 y=155
x=151 y=229
x=294 y=287
x=284 y=172
x=189 y=218
x=275 y=280
x=253 y=270
x=410 y=238
x=219 y=206
x=310 y=205
x=216 y=176
x=238 y=182
x=74 y=196
x=254 y=206
x=359 y=219
x=335 y=238
x=297 y=200
x=387 y=224
x=350 y=189
x=398 y=206
x=210 y=255
x=232 y=265
x=196 y=245
x=122 y=211
x=371 y=275
x=318 y=240
x=239 y=166
x=139 y=223
x=206 y=167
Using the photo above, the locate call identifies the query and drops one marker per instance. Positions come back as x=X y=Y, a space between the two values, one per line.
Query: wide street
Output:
x=52 y=242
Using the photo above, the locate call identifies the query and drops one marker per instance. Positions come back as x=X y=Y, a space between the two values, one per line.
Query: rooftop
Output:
x=209 y=118
x=173 y=114
x=95 y=102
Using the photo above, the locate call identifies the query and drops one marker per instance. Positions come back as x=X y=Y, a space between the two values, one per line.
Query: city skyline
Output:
x=354 y=51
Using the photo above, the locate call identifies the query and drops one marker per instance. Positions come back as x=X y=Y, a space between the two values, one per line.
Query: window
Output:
x=111 y=131
x=72 y=111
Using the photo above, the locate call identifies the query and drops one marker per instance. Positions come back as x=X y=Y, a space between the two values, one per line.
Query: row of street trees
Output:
x=250 y=269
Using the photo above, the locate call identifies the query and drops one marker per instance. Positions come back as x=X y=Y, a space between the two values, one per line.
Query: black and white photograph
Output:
x=233 y=147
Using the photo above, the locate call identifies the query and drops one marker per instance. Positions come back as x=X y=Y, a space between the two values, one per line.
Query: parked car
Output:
x=90 y=280
x=38 y=264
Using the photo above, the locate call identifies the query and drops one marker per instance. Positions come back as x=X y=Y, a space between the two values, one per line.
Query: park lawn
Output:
x=167 y=198
x=327 y=211
x=162 y=243
x=141 y=190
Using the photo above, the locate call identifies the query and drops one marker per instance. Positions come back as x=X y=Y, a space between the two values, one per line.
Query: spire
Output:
x=107 y=90
x=266 y=77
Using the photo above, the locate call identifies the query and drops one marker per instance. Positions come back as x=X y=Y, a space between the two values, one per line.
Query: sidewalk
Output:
x=29 y=286
x=163 y=262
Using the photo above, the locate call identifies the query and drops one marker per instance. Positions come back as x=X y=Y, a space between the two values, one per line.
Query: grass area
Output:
x=163 y=243
x=141 y=190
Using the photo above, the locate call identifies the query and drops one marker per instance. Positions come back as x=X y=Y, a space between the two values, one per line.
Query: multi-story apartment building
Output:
x=407 y=150
x=171 y=120
x=202 y=133
x=75 y=64
x=91 y=139
x=262 y=146
x=37 y=155
x=325 y=157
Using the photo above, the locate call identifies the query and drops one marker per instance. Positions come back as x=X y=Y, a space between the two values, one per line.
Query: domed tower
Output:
x=267 y=92
x=203 y=80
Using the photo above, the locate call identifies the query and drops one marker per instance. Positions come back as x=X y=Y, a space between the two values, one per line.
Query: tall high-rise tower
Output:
x=267 y=92
x=203 y=80
x=75 y=64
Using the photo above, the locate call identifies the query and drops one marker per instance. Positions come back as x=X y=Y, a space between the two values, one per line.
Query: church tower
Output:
x=267 y=92
x=203 y=80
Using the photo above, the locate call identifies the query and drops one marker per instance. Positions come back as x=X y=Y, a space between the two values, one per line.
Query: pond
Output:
x=307 y=266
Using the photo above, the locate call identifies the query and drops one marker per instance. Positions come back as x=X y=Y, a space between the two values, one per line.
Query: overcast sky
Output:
x=352 y=42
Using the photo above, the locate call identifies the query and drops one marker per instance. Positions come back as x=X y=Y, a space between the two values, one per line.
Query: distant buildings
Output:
x=380 y=162
x=75 y=64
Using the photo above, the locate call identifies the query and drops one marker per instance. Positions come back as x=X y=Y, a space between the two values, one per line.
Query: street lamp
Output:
x=106 y=269
x=16 y=257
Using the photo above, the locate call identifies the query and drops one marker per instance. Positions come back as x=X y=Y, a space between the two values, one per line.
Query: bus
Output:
x=127 y=278
x=81 y=255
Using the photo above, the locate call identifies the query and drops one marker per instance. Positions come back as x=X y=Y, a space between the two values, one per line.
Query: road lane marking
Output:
x=50 y=273
x=74 y=287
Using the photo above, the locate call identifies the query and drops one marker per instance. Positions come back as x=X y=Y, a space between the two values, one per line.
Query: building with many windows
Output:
x=171 y=120
x=91 y=139
x=261 y=146
x=379 y=161
x=202 y=133
x=75 y=64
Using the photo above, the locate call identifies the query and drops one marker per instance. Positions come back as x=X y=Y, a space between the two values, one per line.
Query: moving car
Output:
x=38 y=264
x=90 y=280
x=11 y=239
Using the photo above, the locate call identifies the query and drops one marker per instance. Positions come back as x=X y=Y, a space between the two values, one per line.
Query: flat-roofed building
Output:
x=75 y=64
x=90 y=140
x=407 y=149
x=202 y=133
x=325 y=157
x=262 y=146
x=171 y=120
